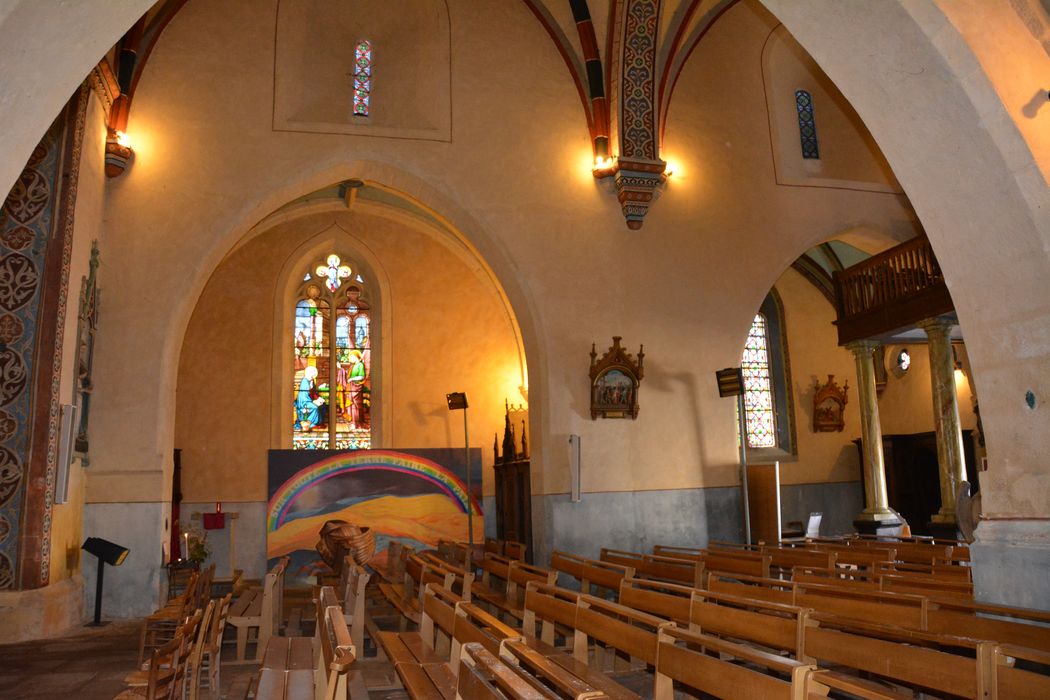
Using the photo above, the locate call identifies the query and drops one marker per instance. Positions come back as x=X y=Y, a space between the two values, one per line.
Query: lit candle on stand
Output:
x=186 y=550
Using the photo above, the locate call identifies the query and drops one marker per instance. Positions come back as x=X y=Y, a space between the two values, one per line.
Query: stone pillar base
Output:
x=882 y=524
x=944 y=530
x=1011 y=563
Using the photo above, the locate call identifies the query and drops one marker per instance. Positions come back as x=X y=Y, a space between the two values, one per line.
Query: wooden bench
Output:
x=481 y=676
x=462 y=578
x=421 y=658
x=514 y=550
x=744 y=561
x=509 y=596
x=546 y=673
x=591 y=572
x=830 y=641
x=667 y=600
x=258 y=610
x=952 y=617
x=686 y=658
x=658 y=568
x=556 y=610
x=407 y=596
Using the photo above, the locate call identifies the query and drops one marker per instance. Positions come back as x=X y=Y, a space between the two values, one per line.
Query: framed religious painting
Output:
x=614 y=382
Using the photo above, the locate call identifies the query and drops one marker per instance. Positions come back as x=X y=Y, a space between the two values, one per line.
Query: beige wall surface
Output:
x=904 y=53
x=446 y=330
x=209 y=167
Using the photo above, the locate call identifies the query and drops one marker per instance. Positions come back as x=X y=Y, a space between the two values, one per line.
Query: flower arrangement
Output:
x=196 y=544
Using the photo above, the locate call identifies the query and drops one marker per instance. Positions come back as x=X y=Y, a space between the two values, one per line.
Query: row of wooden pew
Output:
x=665 y=608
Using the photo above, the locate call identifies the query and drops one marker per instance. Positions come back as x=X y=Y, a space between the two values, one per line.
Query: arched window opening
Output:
x=768 y=402
x=807 y=128
x=332 y=385
x=362 y=77
x=758 y=387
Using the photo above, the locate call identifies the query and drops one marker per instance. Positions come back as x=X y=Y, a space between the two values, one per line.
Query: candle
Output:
x=186 y=551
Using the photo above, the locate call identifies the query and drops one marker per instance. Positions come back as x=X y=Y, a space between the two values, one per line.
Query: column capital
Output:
x=863 y=348
x=937 y=326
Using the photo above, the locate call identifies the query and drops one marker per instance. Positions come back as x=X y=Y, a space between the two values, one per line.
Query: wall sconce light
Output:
x=604 y=166
x=118 y=152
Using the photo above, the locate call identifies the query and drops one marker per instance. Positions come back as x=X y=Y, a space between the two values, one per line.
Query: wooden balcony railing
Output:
x=890 y=291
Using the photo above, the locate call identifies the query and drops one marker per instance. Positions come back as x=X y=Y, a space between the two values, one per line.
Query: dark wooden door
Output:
x=514 y=504
x=912 y=477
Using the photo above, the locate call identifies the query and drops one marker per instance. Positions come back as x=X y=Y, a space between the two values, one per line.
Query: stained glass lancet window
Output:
x=758 y=387
x=362 y=77
x=807 y=128
x=332 y=383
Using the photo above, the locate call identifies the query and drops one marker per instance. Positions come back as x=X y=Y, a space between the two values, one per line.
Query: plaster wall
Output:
x=866 y=49
x=787 y=68
x=687 y=293
x=1011 y=42
x=447 y=331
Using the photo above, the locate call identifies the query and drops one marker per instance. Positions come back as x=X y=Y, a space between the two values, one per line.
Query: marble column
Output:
x=876 y=514
x=950 y=460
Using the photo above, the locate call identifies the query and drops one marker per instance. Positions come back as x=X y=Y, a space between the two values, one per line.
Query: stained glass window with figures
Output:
x=807 y=127
x=332 y=366
x=758 y=387
x=362 y=78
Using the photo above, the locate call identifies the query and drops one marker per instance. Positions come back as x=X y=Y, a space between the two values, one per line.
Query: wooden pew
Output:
x=258 y=610
x=472 y=624
x=420 y=659
x=591 y=572
x=462 y=580
x=617 y=628
x=771 y=625
x=667 y=600
x=744 y=561
x=555 y=610
x=549 y=612
x=482 y=676
x=408 y=596
x=514 y=550
x=658 y=568
x=353 y=601
x=828 y=640
x=682 y=659
x=508 y=595
x=547 y=674
x=952 y=617
x=1007 y=680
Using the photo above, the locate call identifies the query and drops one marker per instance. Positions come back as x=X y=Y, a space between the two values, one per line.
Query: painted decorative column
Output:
x=876 y=515
x=950 y=460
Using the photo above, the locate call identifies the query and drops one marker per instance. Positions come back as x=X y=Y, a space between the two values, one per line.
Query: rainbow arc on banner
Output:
x=366 y=460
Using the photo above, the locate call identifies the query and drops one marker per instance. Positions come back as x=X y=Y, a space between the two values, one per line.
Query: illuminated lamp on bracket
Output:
x=118 y=152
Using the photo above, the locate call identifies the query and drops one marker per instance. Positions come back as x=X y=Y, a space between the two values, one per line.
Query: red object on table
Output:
x=214 y=521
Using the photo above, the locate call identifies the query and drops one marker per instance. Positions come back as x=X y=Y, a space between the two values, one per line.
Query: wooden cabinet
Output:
x=514 y=503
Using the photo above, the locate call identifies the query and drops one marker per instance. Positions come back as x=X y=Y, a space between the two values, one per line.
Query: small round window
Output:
x=903 y=360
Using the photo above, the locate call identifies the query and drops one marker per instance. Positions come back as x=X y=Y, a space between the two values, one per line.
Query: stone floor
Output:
x=89 y=664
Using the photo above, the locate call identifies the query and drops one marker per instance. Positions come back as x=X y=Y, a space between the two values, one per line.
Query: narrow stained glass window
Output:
x=332 y=385
x=807 y=128
x=758 y=387
x=362 y=77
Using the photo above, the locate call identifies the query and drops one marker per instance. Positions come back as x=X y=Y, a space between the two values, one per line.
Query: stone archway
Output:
x=980 y=196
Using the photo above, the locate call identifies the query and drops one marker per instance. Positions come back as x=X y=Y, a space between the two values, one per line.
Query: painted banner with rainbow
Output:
x=417 y=496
